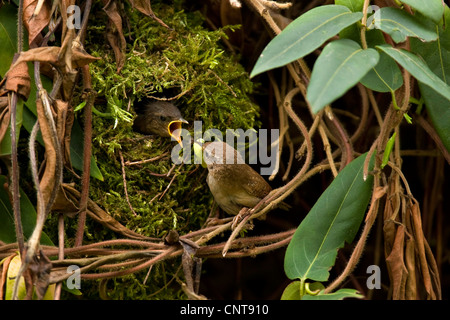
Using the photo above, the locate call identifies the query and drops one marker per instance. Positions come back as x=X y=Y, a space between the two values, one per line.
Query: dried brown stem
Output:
x=87 y=149
x=125 y=187
x=15 y=172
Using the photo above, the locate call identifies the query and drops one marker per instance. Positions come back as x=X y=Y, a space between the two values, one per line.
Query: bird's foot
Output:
x=244 y=212
x=214 y=221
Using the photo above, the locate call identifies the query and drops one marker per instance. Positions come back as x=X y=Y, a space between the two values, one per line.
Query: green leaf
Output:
x=386 y=75
x=353 y=5
x=341 y=65
x=8 y=36
x=338 y=295
x=303 y=35
x=400 y=25
x=418 y=69
x=433 y=9
x=333 y=220
x=437 y=56
x=292 y=291
x=28 y=214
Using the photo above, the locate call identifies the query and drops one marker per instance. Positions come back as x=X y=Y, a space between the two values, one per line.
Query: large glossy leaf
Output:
x=28 y=213
x=400 y=25
x=353 y=5
x=303 y=35
x=341 y=65
x=418 y=69
x=333 y=220
x=433 y=9
x=437 y=56
x=386 y=75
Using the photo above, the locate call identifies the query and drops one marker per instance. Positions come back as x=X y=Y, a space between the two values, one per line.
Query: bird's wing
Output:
x=255 y=184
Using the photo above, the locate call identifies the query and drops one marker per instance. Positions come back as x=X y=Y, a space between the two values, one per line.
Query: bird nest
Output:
x=139 y=209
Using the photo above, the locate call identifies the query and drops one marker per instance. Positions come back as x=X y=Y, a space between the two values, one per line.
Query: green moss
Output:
x=188 y=60
x=214 y=88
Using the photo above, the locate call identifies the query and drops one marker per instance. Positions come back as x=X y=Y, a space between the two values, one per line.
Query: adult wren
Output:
x=233 y=183
x=158 y=117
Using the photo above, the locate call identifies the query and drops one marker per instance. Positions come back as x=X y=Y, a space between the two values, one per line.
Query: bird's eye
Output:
x=162 y=118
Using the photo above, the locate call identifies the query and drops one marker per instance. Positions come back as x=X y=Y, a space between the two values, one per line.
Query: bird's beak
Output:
x=198 y=151
x=172 y=129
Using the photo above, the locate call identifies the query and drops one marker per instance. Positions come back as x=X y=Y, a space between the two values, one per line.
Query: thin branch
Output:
x=87 y=143
x=125 y=187
x=15 y=173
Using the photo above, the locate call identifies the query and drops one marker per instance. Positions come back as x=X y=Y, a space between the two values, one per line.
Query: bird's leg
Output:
x=238 y=218
x=213 y=218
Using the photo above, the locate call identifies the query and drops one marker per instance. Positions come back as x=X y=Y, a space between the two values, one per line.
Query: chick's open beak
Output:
x=172 y=129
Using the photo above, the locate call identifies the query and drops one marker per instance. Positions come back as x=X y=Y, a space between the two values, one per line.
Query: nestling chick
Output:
x=158 y=117
x=233 y=183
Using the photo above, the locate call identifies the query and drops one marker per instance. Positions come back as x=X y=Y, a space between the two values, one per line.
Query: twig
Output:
x=344 y=142
x=364 y=113
x=82 y=32
x=171 y=180
x=58 y=288
x=87 y=143
x=234 y=234
x=15 y=173
x=368 y=158
x=248 y=246
x=280 y=194
x=283 y=125
x=374 y=104
x=20 y=27
x=311 y=132
x=132 y=163
x=124 y=179
x=327 y=148
x=223 y=82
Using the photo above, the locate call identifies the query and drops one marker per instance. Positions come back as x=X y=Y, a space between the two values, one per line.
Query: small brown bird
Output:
x=233 y=183
x=158 y=117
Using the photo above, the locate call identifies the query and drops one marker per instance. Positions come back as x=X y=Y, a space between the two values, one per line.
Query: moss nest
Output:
x=190 y=63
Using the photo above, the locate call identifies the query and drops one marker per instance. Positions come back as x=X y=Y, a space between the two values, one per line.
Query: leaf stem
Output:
x=394 y=101
x=302 y=288
x=364 y=22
